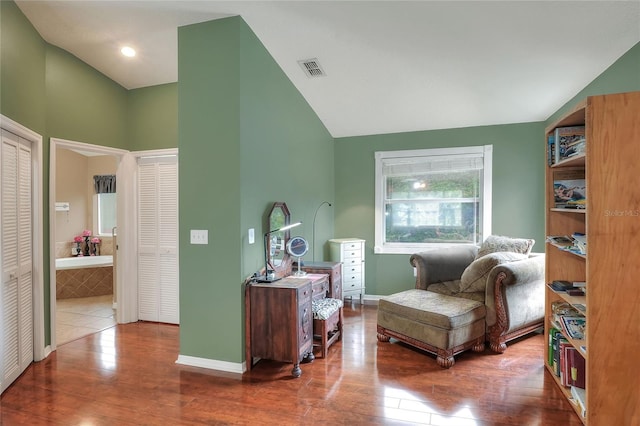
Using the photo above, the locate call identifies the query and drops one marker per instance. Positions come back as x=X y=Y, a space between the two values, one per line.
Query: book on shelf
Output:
x=576 y=369
x=574 y=326
x=561 y=285
x=569 y=189
x=580 y=242
x=577 y=243
x=552 y=336
x=557 y=349
x=569 y=142
x=579 y=397
x=551 y=150
x=563 y=347
x=560 y=309
x=560 y=240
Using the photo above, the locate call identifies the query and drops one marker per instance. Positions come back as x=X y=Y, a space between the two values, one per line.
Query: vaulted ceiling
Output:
x=391 y=66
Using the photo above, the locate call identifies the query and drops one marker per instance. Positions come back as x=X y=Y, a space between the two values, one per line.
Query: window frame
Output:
x=96 y=216
x=382 y=247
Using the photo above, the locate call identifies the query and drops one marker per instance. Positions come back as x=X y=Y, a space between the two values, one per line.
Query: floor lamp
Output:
x=313 y=236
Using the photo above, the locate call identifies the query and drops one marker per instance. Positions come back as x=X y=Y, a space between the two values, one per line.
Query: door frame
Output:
x=39 y=350
x=54 y=144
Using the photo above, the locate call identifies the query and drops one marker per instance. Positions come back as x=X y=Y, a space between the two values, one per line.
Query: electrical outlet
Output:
x=199 y=236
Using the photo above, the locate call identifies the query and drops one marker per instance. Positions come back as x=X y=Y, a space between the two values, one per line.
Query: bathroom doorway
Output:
x=83 y=297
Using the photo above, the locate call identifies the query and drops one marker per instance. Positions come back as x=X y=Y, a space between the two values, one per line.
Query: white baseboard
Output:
x=212 y=364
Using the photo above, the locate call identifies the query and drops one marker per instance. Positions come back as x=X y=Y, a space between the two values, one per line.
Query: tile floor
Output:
x=79 y=317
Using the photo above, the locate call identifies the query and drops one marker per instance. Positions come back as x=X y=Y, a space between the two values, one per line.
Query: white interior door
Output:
x=158 y=285
x=16 y=221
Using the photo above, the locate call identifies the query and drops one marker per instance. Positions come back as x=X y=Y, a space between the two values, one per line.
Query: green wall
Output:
x=22 y=69
x=247 y=139
x=518 y=195
x=152 y=121
x=82 y=104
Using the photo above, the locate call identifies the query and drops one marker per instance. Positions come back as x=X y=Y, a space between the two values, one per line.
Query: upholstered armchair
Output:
x=511 y=285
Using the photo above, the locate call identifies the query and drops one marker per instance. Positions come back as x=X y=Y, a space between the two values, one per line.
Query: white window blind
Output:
x=431 y=197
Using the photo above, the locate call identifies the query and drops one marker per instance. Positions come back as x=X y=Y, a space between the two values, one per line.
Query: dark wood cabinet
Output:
x=333 y=269
x=279 y=322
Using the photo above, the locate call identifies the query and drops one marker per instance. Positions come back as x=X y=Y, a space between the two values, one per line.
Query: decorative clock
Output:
x=298 y=247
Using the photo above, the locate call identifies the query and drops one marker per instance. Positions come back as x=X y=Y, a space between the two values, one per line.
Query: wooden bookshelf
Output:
x=610 y=267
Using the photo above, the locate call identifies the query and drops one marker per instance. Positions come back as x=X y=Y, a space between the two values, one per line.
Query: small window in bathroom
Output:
x=105 y=217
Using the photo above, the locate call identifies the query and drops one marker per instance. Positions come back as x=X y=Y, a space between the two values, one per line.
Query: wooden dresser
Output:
x=333 y=269
x=279 y=322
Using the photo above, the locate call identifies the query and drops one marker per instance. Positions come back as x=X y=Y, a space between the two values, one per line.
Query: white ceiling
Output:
x=391 y=66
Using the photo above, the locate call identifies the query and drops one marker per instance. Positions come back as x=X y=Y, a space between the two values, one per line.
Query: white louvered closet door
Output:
x=158 y=285
x=16 y=302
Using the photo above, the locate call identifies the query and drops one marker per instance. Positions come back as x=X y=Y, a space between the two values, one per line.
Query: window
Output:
x=431 y=198
x=105 y=213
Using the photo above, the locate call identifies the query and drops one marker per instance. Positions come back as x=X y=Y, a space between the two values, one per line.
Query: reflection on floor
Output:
x=80 y=317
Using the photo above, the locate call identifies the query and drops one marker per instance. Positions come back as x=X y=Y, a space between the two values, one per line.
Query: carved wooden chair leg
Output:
x=479 y=346
x=445 y=358
x=383 y=338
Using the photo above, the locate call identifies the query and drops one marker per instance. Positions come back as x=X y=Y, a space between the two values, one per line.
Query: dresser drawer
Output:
x=351 y=262
x=305 y=329
x=353 y=285
x=320 y=289
x=352 y=253
x=304 y=294
x=349 y=270
x=349 y=279
x=355 y=245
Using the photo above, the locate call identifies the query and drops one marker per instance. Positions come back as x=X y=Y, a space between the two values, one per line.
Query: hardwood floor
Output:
x=126 y=375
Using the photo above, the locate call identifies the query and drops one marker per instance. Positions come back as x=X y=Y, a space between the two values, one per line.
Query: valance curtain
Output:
x=105 y=184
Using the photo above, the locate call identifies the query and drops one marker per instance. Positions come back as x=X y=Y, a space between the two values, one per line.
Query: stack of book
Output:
x=569 y=189
x=572 y=288
x=576 y=243
x=565 y=142
x=565 y=360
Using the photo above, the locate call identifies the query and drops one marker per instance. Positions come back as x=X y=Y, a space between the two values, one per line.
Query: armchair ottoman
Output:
x=440 y=324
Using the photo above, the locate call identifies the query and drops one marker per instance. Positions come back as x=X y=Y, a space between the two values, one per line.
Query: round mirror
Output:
x=297 y=246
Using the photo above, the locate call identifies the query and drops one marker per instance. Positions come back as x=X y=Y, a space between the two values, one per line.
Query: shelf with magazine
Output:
x=566 y=201
x=591 y=231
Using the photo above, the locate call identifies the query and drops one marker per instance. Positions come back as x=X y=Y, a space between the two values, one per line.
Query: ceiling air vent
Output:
x=312 y=68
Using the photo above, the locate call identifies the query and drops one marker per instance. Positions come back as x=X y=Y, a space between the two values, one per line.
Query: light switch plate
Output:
x=199 y=236
x=252 y=236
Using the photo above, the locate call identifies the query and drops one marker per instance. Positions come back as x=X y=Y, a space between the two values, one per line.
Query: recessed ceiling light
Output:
x=128 y=52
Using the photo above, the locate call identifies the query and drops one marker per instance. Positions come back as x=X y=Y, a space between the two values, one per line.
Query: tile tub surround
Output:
x=84 y=282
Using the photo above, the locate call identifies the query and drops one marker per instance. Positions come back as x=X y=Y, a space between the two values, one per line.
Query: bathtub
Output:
x=84 y=276
x=81 y=262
